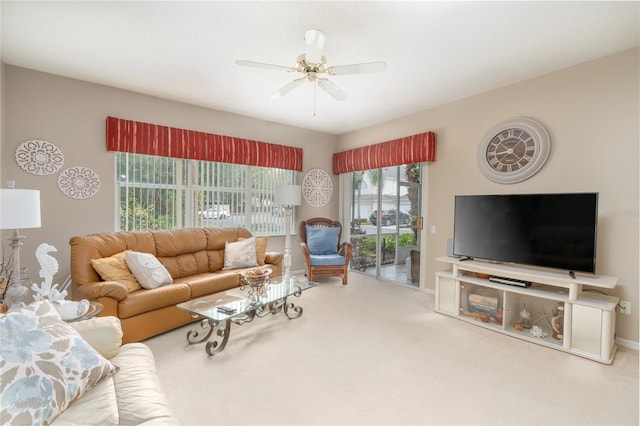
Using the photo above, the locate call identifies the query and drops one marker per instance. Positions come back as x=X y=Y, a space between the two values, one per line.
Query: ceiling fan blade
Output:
x=287 y=88
x=335 y=92
x=314 y=45
x=366 y=67
x=263 y=65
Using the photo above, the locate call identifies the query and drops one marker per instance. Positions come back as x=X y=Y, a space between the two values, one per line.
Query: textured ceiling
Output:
x=436 y=52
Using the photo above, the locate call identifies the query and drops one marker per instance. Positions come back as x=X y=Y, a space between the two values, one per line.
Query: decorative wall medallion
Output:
x=39 y=157
x=514 y=150
x=79 y=183
x=317 y=187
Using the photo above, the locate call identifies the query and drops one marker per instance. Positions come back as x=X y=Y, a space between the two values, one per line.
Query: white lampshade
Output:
x=288 y=195
x=19 y=208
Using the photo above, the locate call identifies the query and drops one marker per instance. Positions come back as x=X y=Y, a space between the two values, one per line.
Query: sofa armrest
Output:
x=96 y=289
x=104 y=334
x=273 y=258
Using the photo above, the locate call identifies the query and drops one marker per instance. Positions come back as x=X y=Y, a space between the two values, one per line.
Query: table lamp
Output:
x=288 y=196
x=19 y=208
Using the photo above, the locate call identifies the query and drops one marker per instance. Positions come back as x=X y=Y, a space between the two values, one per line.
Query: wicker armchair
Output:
x=324 y=255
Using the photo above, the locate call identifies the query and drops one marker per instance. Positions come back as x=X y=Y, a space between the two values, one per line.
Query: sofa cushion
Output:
x=185 y=265
x=322 y=240
x=178 y=241
x=217 y=237
x=326 y=260
x=100 y=245
x=204 y=284
x=142 y=301
x=114 y=268
x=99 y=406
x=216 y=260
x=135 y=398
x=147 y=269
x=46 y=365
x=141 y=398
x=240 y=254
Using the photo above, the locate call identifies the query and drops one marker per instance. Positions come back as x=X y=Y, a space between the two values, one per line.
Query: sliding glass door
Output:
x=385 y=212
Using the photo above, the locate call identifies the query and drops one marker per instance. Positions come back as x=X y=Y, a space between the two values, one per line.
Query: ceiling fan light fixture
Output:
x=312 y=64
x=314 y=45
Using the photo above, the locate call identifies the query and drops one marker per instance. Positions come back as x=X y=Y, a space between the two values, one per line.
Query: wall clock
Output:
x=317 y=187
x=513 y=150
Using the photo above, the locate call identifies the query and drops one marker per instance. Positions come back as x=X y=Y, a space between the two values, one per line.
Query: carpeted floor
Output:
x=375 y=353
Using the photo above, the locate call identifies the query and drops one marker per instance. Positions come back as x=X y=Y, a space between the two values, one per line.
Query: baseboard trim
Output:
x=428 y=290
x=629 y=344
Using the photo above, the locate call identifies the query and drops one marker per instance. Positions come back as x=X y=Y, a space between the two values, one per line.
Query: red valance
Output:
x=407 y=150
x=152 y=139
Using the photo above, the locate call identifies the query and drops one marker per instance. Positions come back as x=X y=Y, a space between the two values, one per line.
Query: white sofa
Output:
x=132 y=395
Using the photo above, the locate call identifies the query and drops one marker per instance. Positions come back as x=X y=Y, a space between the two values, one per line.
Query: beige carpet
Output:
x=375 y=353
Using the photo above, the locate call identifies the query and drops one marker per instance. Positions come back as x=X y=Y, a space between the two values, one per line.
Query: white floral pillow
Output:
x=148 y=270
x=240 y=254
x=45 y=365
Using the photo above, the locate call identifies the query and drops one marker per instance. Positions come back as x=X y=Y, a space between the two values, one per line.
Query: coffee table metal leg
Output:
x=213 y=347
x=291 y=310
x=193 y=336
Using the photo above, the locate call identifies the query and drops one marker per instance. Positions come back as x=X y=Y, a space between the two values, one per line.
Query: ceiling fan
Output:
x=314 y=65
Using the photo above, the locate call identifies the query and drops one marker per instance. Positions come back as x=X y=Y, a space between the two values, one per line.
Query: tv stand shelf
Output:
x=554 y=311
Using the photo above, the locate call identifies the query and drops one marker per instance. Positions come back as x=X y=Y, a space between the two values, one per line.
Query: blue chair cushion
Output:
x=326 y=260
x=322 y=240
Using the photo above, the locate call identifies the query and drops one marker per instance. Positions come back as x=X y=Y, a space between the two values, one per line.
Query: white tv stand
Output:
x=587 y=327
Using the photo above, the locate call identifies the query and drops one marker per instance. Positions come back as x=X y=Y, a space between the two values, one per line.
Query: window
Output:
x=168 y=193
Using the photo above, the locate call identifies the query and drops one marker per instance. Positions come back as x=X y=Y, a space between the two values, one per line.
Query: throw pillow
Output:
x=148 y=270
x=240 y=254
x=114 y=268
x=46 y=365
x=322 y=240
x=261 y=249
x=104 y=334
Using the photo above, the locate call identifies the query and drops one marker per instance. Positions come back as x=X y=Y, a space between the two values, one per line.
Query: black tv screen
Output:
x=548 y=230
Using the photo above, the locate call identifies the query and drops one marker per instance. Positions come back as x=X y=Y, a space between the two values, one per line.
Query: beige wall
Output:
x=591 y=112
x=72 y=113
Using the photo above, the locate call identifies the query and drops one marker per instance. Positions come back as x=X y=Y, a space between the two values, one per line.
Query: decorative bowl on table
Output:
x=256 y=279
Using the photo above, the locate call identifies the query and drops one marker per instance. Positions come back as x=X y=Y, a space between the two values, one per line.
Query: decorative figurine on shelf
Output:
x=67 y=309
x=499 y=316
x=557 y=321
x=526 y=317
x=536 y=331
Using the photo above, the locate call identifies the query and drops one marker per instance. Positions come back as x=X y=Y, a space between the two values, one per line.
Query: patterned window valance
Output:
x=152 y=139
x=407 y=150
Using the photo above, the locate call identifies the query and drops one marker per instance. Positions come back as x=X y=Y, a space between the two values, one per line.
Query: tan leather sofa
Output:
x=193 y=257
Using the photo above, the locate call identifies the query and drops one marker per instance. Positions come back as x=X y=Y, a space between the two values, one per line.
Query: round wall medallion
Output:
x=514 y=150
x=317 y=187
x=79 y=183
x=39 y=157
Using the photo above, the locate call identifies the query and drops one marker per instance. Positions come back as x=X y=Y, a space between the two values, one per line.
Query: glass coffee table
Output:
x=239 y=306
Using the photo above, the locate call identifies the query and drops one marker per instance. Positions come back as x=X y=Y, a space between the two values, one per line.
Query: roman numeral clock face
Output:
x=513 y=150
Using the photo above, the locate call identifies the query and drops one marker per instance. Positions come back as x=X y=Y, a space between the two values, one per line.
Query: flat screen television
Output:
x=548 y=230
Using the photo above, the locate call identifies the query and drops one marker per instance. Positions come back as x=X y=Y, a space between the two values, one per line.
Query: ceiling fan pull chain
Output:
x=315 y=87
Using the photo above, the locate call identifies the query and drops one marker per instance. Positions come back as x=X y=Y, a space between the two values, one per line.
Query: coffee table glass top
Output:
x=236 y=302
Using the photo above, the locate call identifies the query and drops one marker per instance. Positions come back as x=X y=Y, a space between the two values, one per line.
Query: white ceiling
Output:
x=436 y=52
